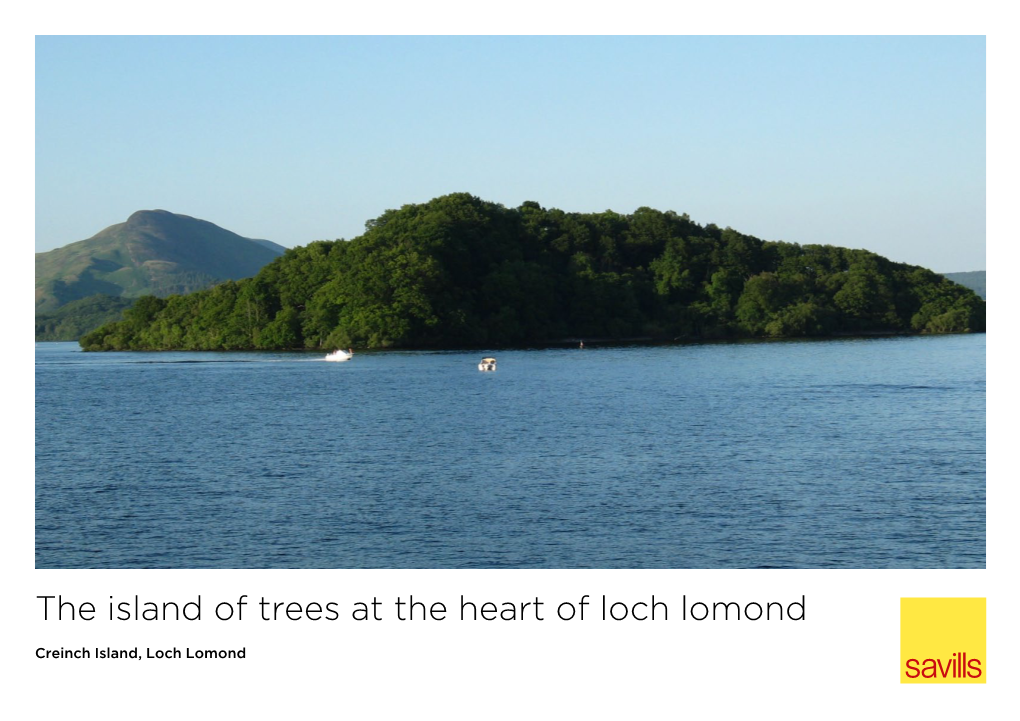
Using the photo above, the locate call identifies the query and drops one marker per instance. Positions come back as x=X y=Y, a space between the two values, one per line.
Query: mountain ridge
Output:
x=153 y=252
x=89 y=282
x=973 y=279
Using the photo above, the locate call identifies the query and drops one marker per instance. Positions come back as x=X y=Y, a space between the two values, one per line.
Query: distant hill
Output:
x=974 y=279
x=154 y=252
x=71 y=321
x=275 y=247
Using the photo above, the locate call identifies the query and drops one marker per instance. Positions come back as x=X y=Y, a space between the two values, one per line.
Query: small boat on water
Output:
x=340 y=355
x=487 y=364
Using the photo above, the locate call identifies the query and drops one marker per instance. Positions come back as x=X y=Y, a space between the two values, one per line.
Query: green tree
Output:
x=462 y=271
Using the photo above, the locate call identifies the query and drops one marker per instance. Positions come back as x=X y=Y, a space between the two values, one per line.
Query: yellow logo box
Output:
x=942 y=640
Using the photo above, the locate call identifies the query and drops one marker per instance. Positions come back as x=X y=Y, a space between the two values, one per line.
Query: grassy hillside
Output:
x=153 y=253
x=974 y=279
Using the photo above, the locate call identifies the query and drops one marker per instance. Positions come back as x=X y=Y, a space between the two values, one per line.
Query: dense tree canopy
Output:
x=459 y=271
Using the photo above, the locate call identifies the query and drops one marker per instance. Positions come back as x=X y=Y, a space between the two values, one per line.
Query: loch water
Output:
x=838 y=453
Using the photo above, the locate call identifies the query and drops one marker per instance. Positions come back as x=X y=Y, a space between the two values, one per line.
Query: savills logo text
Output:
x=942 y=640
x=959 y=666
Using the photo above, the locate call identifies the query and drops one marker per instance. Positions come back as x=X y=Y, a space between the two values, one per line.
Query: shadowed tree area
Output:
x=459 y=271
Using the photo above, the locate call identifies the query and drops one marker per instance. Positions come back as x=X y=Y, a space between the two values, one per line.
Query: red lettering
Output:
x=959 y=666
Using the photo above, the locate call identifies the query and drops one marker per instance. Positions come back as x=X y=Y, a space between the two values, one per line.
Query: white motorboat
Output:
x=487 y=364
x=340 y=355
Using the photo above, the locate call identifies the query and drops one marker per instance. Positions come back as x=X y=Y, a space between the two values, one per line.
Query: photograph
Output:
x=510 y=302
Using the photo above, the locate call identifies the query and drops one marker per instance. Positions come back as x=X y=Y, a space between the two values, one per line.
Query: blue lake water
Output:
x=860 y=453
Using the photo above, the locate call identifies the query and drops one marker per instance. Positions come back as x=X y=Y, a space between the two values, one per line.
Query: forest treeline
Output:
x=459 y=271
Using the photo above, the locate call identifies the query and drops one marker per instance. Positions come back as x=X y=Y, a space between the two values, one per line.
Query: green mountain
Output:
x=153 y=253
x=973 y=279
x=459 y=271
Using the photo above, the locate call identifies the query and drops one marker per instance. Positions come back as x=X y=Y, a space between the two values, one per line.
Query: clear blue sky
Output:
x=874 y=143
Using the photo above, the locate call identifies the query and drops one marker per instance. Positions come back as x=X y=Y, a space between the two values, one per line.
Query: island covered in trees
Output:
x=458 y=271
